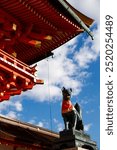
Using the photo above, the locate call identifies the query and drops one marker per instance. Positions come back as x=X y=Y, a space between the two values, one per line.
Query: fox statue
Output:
x=71 y=114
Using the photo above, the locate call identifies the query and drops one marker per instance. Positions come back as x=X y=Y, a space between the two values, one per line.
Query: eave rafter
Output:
x=29 y=7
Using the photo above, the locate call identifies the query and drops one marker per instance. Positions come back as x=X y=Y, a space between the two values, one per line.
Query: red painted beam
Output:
x=15 y=76
x=21 y=144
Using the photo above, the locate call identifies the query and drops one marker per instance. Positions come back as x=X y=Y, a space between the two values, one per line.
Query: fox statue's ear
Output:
x=71 y=89
x=63 y=88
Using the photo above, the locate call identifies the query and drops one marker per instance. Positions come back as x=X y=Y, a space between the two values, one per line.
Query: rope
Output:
x=49 y=96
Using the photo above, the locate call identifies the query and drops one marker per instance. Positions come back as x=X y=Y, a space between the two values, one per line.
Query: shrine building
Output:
x=30 y=31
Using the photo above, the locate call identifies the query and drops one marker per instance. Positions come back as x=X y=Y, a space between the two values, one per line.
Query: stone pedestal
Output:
x=74 y=139
x=76 y=148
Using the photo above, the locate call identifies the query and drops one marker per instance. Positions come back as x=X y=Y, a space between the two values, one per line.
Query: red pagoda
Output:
x=29 y=31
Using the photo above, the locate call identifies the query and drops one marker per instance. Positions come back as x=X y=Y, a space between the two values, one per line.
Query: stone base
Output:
x=76 y=148
x=74 y=139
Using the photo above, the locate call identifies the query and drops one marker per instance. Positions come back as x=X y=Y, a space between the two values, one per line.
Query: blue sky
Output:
x=76 y=64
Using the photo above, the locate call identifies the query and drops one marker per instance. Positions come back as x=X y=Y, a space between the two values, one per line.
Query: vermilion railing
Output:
x=15 y=76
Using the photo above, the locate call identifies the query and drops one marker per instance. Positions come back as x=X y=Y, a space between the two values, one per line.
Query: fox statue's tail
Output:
x=79 y=124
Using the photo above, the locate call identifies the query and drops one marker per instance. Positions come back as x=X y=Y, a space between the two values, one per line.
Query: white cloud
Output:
x=40 y=124
x=86 y=54
x=86 y=101
x=87 y=127
x=18 y=106
x=89 y=52
x=43 y=123
x=59 y=125
x=12 y=103
x=11 y=114
x=32 y=121
x=57 y=72
x=89 y=7
x=89 y=111
x=55 y=120
x=11 y=108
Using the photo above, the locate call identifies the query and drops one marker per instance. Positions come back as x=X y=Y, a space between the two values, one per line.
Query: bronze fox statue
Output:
x=71 y=114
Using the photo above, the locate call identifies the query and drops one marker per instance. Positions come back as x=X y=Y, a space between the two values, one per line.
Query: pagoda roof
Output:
x=38 y=27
